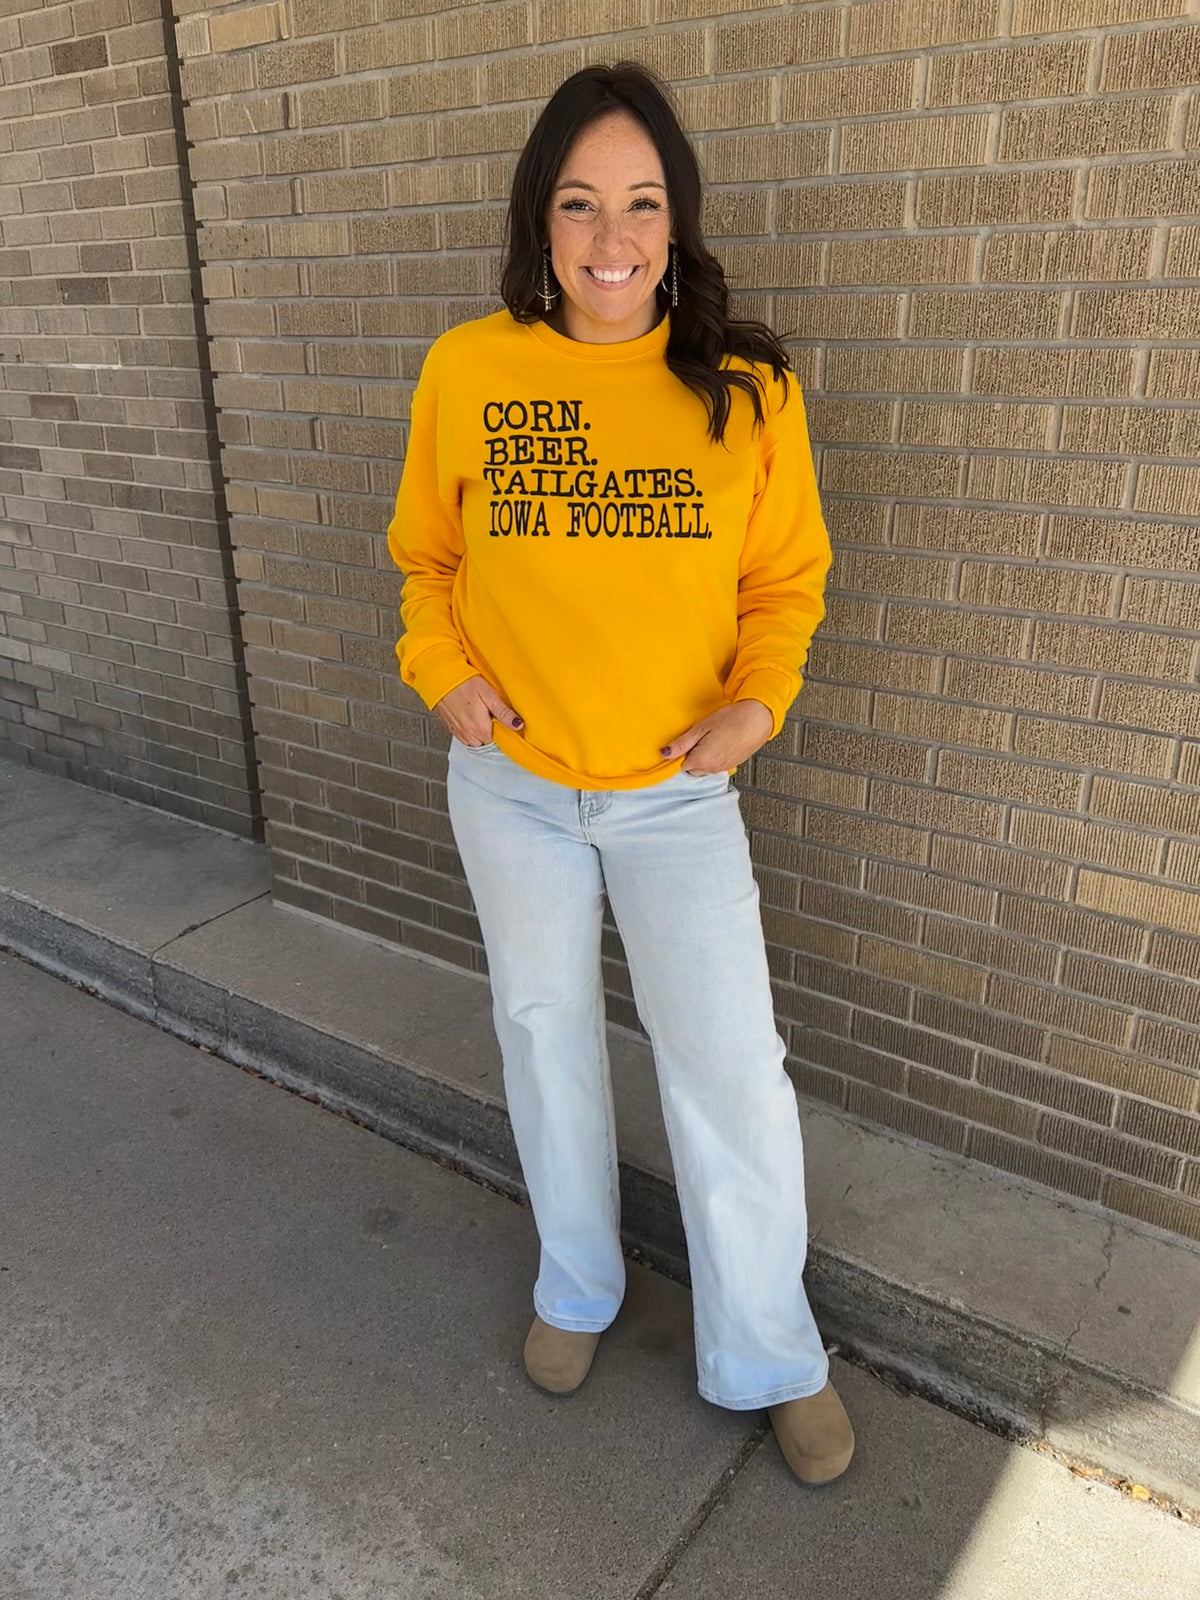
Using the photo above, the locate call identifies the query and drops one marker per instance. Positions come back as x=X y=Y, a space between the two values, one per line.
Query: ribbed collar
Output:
x=653 y=343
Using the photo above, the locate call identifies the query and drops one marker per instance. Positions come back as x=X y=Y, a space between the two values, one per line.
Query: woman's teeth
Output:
x=606 y=276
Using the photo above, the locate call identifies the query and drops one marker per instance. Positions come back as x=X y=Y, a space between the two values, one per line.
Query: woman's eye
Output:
x=574 y=205
x=645 y=205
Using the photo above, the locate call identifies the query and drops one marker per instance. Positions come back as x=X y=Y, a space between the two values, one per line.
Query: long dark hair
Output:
x=702 y=331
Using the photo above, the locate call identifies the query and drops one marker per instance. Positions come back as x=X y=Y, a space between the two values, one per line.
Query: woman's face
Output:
x=609 y=232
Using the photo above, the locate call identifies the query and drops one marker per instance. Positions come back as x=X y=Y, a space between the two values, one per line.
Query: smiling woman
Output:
x=609 y=236
x=609 y=519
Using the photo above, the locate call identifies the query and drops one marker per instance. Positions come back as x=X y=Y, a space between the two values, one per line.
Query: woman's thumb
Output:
x=503 y=713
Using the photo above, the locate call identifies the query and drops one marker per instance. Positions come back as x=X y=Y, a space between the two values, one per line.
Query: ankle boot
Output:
x=557 y=1359
x=814 y=1435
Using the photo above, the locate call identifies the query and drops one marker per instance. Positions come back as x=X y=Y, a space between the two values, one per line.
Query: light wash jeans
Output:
x=676 y=863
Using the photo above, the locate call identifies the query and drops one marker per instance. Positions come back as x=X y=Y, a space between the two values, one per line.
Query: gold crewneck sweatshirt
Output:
x=567 y=530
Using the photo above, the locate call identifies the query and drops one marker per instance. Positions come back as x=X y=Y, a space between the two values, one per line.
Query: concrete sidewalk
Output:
x=1054 y=1322
x=254 y=1349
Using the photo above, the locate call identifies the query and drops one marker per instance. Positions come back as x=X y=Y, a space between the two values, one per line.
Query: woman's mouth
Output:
x=610 y=277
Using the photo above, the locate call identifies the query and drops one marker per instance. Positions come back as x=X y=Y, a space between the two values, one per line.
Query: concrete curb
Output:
x=1025 y=1386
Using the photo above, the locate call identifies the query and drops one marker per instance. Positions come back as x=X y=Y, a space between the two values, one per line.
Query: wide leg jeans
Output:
x=675 y=860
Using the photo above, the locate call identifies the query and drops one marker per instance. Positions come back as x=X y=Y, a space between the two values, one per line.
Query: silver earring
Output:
x=544 y=294
x=674 y=276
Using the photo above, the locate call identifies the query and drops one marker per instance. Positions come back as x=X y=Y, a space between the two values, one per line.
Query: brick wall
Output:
x=119 y=655
x=978 y=837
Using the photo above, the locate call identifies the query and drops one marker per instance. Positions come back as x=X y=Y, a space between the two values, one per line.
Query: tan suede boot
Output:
x=556 y=1359
x=814 y=1435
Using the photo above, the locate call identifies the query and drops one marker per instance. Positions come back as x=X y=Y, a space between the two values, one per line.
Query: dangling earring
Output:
x=674 y=276
x=544 y=294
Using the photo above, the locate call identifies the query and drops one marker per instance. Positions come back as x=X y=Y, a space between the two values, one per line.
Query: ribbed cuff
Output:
x=434 y=671
x=772 y=688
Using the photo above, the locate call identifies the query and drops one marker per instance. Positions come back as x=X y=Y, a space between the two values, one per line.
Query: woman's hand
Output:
x=468 y=711
x=723 y=740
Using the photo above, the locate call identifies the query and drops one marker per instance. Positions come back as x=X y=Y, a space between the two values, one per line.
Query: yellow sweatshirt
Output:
x=567 y=530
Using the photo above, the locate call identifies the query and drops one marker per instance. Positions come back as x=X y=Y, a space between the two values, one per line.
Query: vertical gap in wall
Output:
x=204 y=367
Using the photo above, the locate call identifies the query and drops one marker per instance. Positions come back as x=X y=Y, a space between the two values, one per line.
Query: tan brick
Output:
x=801 y=782
x=1183 y=255
x=898 y=473
x=933 y=719
x=1053 y=373
x=818 y=315
x=1040 y=481
x=580 y=19
x=827 y=93
x=482 y=132
x=350 y=278
x=734 y=213
x=239 y=30
x=674 y=56
x=764 y=156
x=324 y=237
x=1149 y=1205
x=768 y=266
x=1006 y=72
x=1068 y=926
x=1152 y=706
x=1135 y=313
x=934 y=626
x=1171 y=809
x=1069 y=257
x=1139 y=900
x=403 y=231
x=1024 y=1082
x=984 y=314
x=911 y=965
x=1109 y=1149
x=1164 y=604
x=397 y=141
x=1159 y=58
x=788 y=41
x=832 y=207
x=898 y=369
x=948 y=813
x=529 y=77
x=967 y=199
x=915 y=144
x=976 y=425
x=880 y=28
x=1046 y=16
x=450 y=182
x=1124 y=541
x=1085 y=745
x=1026 y=782
x=348 y=191
x=263 y=113
x=1144 y=189
x=1132 y=430
x=475 y=33
x=919 y=887
x=936 y=258
x=1037 y=589
x=343 y=102
x=313 y=152
x=1086 y=128
x=1114 y=648
x=866 y=836
x=1168 y=489
x=388 y=47
x=1136 y=987
x=736 y=103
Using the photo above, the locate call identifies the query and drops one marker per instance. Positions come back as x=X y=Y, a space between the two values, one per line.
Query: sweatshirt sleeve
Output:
x=785 y=560
x=425 y=538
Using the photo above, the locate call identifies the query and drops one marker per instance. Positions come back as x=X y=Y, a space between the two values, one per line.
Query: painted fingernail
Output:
x=518 y=722
x=665 y=751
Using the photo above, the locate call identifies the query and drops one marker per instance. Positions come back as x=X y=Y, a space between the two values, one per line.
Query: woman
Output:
x=615 y=561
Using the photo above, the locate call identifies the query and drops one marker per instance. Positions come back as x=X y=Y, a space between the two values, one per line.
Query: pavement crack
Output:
x=670 y=1559
x=203 y=922
x=1109 y=1245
